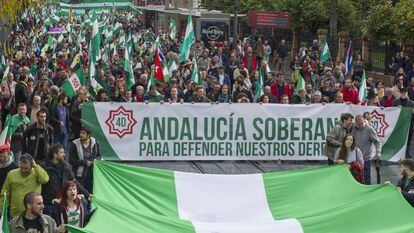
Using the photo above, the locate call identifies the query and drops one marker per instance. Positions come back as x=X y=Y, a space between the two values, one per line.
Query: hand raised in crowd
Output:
x=61 y=229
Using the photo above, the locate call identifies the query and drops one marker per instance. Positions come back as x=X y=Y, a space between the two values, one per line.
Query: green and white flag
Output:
x=165 y=72
x=129 y=72
x=172 y=66
x=188 y=40
x=55 y=19
x=118 y=28
x=363 y=90
x=161 y=201
x=326 y=55
x=259 y=87
x=151 y=81
x=173 y=29
x=71 y=85
x=196 y=75
x=6 y=72
x=4 y=224
x=96 y=39
x=300 y=82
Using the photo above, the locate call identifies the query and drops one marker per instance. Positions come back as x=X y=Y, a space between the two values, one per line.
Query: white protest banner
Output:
x=155 y=132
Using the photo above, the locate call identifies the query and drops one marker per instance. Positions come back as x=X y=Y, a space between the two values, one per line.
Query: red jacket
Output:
x=287 y=90
x=253 y=63
x=350 y=95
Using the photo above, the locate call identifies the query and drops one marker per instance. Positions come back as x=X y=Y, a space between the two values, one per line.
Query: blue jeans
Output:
x=367 y=171
x=62 y=140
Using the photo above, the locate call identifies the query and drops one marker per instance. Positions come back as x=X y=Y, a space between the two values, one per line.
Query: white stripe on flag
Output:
x=222 y=198
x=283 y=226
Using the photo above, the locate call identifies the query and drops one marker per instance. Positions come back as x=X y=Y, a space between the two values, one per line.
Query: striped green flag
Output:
x=300 y=82
x=196 y=75
x=129 y=72
x=165 y=72
x=71 y=85
x=96 y=39
x=317 y=200
x=363 y=90
x=188 y=40
x=151 y=81
x=173 y=29
x=259 y=87
x=326 y=55
x=4 y=224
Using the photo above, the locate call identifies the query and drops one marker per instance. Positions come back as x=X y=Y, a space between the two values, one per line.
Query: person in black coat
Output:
x=76 y=112
x=38 y=137
x=59 y=172
x=6 y=163
x=406 y=183
x=59 y=120
x=22 y=94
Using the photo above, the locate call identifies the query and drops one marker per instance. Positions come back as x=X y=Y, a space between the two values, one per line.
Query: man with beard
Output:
x=350 y=94
x=29 y=177
x=83 y=151
x=59 y=172
x=406 y=183
x=38 y=137
x=32 y=219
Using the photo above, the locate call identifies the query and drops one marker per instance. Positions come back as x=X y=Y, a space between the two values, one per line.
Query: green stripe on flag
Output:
x=90 y=119
x=398 y=137
x=154 y=190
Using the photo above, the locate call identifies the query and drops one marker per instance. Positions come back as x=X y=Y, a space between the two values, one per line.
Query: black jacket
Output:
x=22 y=94
x=407 y=190
x=75 y=117
x=31 y=139
x=54 y=120
x=75 y=158
x=58 y=175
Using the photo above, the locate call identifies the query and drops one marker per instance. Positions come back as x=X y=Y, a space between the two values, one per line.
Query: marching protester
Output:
x=406 y=183
x=352 y=155
x=366 y=137
x=32 y=218
x=83 y=151
x=29 y=177
x=335 y=137
x=59 y=172
x=18 y=125
x=70 y=207
x=6 y=163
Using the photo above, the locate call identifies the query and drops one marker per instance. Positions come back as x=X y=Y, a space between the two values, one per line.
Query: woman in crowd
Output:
x=70 y=208
x=224 y=94
x=350 y=154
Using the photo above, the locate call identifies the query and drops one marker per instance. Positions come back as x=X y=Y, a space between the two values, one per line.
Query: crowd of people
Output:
x=46 y=169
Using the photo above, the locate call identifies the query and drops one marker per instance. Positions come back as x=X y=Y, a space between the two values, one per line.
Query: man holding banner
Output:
x=365 y=137
x=335 y=136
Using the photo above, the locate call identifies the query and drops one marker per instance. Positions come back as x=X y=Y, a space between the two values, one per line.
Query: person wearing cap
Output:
x=6 y=162
x=82 y=153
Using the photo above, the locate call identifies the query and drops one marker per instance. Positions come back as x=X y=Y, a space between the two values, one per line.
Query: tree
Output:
x=403 y=21
x=12 y=9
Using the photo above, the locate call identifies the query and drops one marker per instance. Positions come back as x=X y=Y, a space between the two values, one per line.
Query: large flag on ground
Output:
x=4 y=224
x=363 y=90
x=326 y=55
x=348 y=61
x=188 y=40
x=324 y=199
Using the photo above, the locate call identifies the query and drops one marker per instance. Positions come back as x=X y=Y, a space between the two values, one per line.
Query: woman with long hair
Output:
x=352 y=155
x=70 y=207
x=224 y=95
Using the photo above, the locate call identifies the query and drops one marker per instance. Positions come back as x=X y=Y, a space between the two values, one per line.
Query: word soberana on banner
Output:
x=150 y=132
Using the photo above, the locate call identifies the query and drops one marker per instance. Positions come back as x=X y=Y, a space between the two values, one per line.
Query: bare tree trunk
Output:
x=333 y=21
